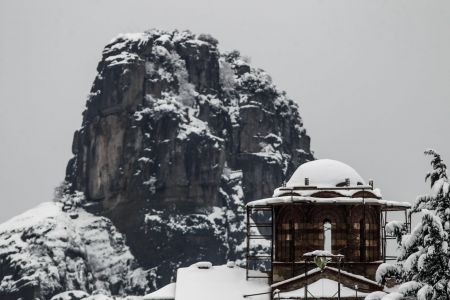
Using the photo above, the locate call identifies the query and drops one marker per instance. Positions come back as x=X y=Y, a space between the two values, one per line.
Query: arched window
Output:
x=327 y=235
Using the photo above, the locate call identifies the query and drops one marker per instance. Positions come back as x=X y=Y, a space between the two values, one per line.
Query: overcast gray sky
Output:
x=372 y=78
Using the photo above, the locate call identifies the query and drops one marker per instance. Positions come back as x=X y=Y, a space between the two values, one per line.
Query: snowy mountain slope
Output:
x=175 y=139
x=45 y=251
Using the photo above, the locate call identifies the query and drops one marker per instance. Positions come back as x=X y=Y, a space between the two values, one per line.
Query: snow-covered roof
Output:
x=369 y=191
x=218 y=283
x=322 y=288
x=329 y=182
x=167 y=292
x=325 y=173
x=386 y=204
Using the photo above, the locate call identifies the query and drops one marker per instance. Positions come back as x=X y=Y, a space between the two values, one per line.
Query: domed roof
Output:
x=325 y=173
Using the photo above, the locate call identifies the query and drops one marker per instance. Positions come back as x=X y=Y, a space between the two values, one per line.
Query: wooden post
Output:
x=291 y=225
x=364 y=256
x=407 y=222
x=292 y=229
x=273 y=239
x=248 y=243
x=306 y=279
x=384 y=232
x=380 y=238
x=339 y=280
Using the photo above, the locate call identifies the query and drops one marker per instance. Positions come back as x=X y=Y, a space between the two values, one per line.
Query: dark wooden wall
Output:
x=299 y=229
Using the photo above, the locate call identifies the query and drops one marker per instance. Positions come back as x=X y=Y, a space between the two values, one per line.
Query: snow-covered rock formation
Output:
x=45 y=251
x=175 y=139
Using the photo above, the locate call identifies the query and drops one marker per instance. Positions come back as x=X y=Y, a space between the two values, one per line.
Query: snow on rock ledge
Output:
x=44 y=252
x=71 y=295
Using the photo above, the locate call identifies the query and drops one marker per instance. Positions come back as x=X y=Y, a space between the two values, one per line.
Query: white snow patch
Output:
x=218 y=283
x=321 y=253
x=167 y=292
x=378 y=295
x=133 y=37
x=122 y=58
x=98 y=297
x=384 y=269
x=409 y=287
x=411 y=261
x=394 y=227
x=425 y=293
x=31 y=217
x=393 y=296
x=203 y=265
x=69 y=295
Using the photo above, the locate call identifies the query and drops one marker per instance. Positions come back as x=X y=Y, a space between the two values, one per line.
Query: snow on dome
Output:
x=325 y=173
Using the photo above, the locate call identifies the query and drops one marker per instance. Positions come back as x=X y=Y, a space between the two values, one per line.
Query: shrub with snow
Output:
x=384 y=271
x=410 y=288
x=425 y=293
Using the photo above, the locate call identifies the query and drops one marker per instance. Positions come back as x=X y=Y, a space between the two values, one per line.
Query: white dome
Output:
x=325 y=173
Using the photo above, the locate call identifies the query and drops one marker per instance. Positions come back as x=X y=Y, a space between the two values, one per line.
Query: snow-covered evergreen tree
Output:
x=423 y=265
x=439 y=198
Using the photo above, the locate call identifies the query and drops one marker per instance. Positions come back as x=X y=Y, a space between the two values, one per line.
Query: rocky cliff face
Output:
x=45 y=251
x=175 y=139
